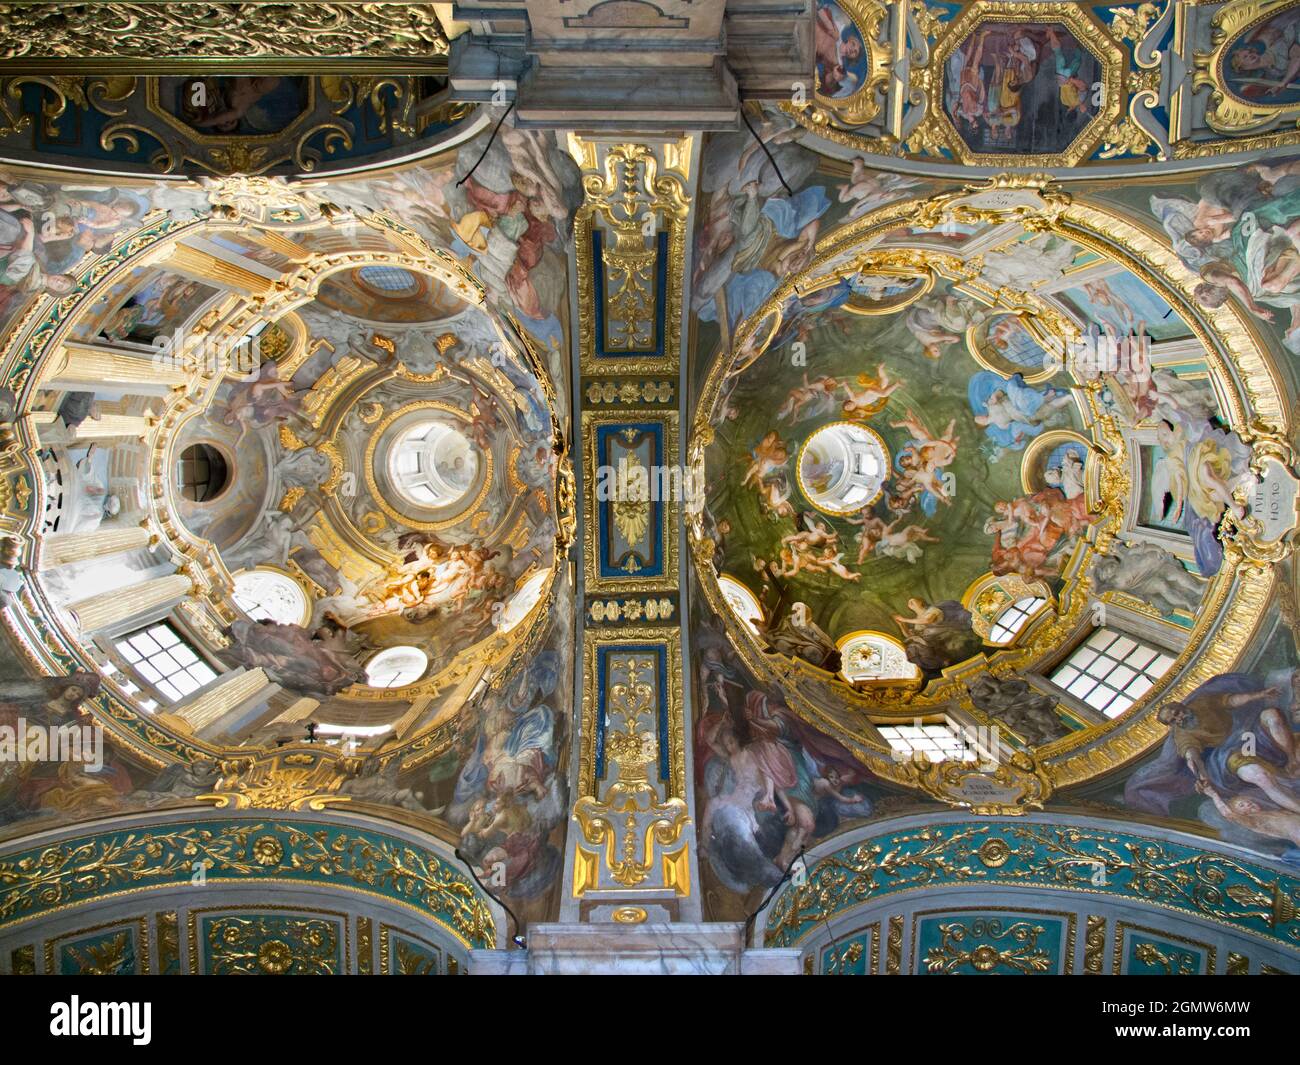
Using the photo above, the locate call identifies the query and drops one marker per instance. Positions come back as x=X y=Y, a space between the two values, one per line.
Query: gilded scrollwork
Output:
x=630 y=240
x=288 y=779
x=60 y=875
x=631 y=818
x=987 y=944
x=45 y=35
x=1014 y=786
x=1229 y=111
x=1019 y=854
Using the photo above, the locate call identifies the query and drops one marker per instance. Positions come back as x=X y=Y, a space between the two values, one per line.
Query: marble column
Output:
x=99 y=612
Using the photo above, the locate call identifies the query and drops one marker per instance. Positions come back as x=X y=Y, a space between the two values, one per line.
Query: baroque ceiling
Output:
x=651 y=508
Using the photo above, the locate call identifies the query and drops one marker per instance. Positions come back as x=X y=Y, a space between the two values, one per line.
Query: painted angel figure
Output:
x=769 y=455
x=873 y=394
x=1027 y=264
x=867 y=189
x=819 y=394
x=889 y=541
x=933 y=451
x=938 y=322
x=1011 y=411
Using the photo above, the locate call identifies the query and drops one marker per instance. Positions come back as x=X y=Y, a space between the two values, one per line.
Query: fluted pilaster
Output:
x=85 y=366
x=59 y=549
x=230 y=692
x=102 y=611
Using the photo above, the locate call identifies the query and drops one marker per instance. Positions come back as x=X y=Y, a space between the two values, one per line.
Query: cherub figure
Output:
x=820 y=392
x=770 y=455
x=814 y=549
x=921 y=615
x=867 y=190
x=933 y=451
x=889 y=541
x=873 y=396
x=774 y=497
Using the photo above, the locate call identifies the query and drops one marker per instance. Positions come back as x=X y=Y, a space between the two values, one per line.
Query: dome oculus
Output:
x=432 y=464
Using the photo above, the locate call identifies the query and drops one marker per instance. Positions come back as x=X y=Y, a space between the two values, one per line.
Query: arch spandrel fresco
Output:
x=836 y=525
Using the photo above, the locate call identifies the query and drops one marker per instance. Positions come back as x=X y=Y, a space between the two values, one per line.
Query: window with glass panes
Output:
x=1014 y=618
x=938 y=742
x=161 y=657
x=1110 y=671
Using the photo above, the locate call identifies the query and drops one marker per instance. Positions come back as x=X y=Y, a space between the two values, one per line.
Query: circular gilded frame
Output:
x=1235 y=602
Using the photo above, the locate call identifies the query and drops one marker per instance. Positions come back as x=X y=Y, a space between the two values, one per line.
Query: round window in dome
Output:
x=268 y=595
x=432 y=464
x=842 y=467
x=396 y=667
x=390 y=279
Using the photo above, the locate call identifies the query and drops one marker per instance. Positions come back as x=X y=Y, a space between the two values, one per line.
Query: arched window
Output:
x=873 y=656
x=523 y=601
x=744 y=604
x=265 y=594
x=1014 y=618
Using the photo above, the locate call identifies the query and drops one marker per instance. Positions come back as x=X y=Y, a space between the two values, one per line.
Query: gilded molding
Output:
x=1173 y=876
x=631 y=515
x=1094 y=945
x=631 y=197
x=91 y=868
x=68 y=37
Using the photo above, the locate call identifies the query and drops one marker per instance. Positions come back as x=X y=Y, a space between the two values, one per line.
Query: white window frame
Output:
x=1111 y=670
x=1026 y=609
x=184 y=673
x=939 y=741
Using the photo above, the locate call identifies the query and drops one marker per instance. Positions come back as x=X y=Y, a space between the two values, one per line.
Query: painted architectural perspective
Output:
x=694 y=487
